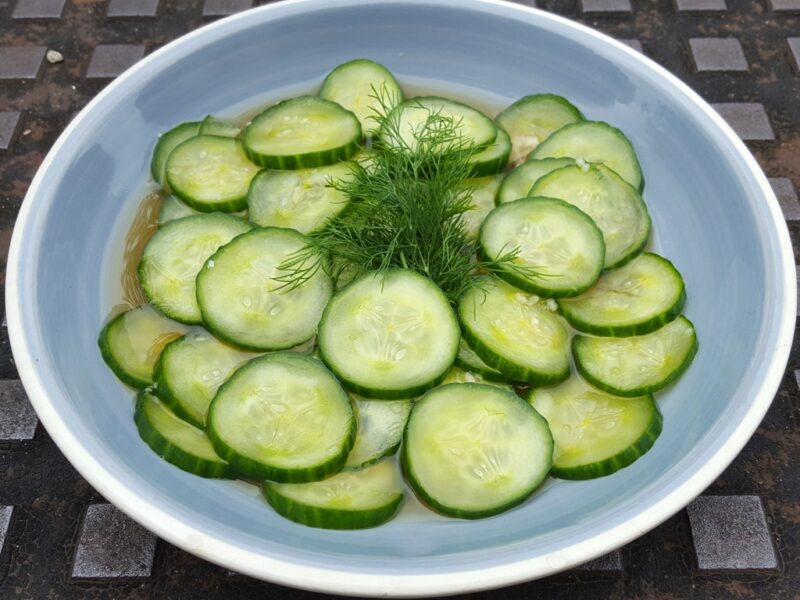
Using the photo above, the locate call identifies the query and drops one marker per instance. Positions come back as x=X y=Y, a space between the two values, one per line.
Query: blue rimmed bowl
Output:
x=713 y=211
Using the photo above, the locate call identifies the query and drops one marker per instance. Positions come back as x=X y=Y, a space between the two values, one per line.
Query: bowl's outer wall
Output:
x=709 y=212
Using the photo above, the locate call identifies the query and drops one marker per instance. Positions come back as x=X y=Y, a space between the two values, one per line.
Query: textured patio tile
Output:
x=608 y=563
x=8 y=124
x=605 y=6
x=731 y=532
x=635 y=44
x=5 y=521
x=21 y=62
x=787 y=197
x=748 y=119
x=700 y=5
x=132 y=8
x=220 y=8
x=785 y=5
x=17 y=417
x=38 y=9
x=794 y=49
x=109 y=60
x=112 y=545
x=717 y=54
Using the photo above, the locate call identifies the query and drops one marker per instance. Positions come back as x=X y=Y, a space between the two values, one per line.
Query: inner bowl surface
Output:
x=713 y=215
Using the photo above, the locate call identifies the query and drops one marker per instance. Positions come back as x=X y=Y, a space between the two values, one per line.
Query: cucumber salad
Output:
x=359 y=295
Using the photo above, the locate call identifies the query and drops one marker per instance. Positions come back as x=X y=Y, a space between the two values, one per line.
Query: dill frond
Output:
x=407 y=200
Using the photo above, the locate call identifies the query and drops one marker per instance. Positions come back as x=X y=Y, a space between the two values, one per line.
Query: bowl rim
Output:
x=354 y=582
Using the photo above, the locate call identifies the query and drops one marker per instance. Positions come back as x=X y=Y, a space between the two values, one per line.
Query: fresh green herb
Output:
x=407 y=202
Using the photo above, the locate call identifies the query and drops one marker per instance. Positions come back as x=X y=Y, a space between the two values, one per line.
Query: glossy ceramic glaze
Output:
x=713 y=214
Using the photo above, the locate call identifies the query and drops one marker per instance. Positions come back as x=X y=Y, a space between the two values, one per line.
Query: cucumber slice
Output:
x=348 y=500
x=595 y=433
x=175 y=440
x=468 y=361
x=493 y=159
x=166 y=144
x=301 y=200
x=638 y=298
x=595 y=142
x=474 y=451
x=380 y=429
x=242 y=302
x=174 y=256
x=365 y=88
x=514 y=333
x=558 y=244
x=389 y=335
x=638 y=365
x=213 y=126
x=132 y=342
x=616 y=207
x=484 y=191
x=173 y=209
x=210 y=173
x=302 y=132
x=282 y=417
x=190 y=371
x=531 y=120
x=458 y=375
x=414 y=115
x=519 y=182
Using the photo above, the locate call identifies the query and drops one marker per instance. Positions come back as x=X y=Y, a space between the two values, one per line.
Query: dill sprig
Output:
x=407 y=200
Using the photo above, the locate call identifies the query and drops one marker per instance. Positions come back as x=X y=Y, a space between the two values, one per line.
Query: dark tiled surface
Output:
x=633 y=43
x=594 y=7
x=220 y=8
x=748 y=119
x=17 y=418
x=64 y=542
x=8 y=124
x=700 y=5
x=717 y=54
x=20 y=62
x=112 y=545
x=794 y=49
x=132 y=8
x=608 y=563
x=731 y=532
x=787 y=197
x=38 y=9
x=109 y=60
x=785 y=5
x=5 y=521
